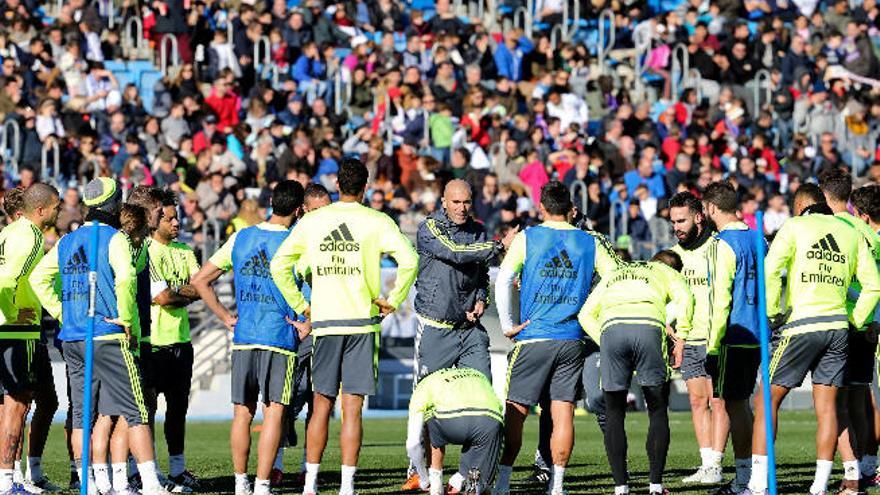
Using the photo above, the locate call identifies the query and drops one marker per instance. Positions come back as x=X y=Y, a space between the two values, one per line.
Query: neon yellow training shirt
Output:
x=341 y=246
x=171 y=264
x=873 y=241
x=821 y=259
x=454 y=393
x=696 y=273
x=21 y=248
x=637 y=293
x=43 y=281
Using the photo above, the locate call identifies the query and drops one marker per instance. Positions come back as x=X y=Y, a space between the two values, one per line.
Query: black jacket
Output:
x=453 y=269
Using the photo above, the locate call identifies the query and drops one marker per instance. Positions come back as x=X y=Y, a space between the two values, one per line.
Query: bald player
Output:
x=452 y=291
x=21 y=248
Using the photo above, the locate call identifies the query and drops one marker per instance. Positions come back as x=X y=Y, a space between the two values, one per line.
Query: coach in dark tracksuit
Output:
x=452 y=289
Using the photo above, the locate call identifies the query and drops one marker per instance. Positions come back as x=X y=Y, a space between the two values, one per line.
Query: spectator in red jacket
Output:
x=225 y=105
x=202 y=139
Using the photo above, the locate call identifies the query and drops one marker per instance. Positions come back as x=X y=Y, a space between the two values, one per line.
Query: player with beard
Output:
x=711 y=424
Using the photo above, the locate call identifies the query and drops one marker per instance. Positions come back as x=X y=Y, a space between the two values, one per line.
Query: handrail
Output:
x=604 y=51
x=762 y=75
x=680 y=69
x=127 y=43
x=642 y=41
x=557 y=32
x=570 y=31
x=44 y=158
x=612 y=224
x=4 y=140
x=580 y=186
x=266 y=44
x=163 y=53
x=13 y=163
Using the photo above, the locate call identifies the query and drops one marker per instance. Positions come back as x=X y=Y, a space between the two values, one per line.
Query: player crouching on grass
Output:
x=266 y=334
x=459 y=407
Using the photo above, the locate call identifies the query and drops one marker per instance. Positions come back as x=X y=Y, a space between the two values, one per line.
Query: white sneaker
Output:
x=30 y=487
x=705 y=475
x=244 y=488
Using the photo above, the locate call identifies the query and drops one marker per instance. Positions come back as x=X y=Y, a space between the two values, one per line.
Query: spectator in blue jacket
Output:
x=645 y=174
x=310 y=73
x=508 y=57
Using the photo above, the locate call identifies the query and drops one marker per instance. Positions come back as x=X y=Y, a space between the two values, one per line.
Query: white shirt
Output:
x=571 y=108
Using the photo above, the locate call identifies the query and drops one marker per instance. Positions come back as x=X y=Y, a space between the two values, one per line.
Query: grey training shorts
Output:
x=693 y=362
x=438 y=348
x=264 y=373
x=480 y=437
x=347 y=360
x=822 y=353
x=114 y=372
x=545 y=366
x=628 y=348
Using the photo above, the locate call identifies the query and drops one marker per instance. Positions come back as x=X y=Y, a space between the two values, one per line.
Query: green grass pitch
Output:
x=383 y=458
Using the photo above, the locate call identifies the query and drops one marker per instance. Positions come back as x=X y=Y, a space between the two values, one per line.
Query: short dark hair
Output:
x=669 y=258
x=315 y=191
x=169 y=197
x=286 y=198
x=811 y=192
x=721 y=194
x=837 y=183
x=556 y=198
x=13 y=202
x=133 y=221
x=353 y=176
x=145 y=196
x=686 y=198
x=867 y=201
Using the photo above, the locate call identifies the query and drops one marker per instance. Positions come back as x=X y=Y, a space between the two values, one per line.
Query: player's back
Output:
x=822 y=255
x=456 y=392
x=343 y=245
x=636 y=292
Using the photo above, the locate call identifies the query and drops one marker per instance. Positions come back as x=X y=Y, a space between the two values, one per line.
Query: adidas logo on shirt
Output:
x=76 y=264
x=257 y=266
x=826 y=249
x=340 y=239
x=560 y=266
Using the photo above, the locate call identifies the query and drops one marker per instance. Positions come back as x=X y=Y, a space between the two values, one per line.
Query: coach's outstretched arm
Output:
x=282 y=266
x=432 y=240
x=43 y=280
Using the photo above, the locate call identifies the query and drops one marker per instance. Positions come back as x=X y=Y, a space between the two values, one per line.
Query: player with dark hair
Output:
x=116 y=374
x=626 y=314
x=812 y=323
x=733 y=347
x=341 y=246
x=711 y=424
x=21 y=248
x=170 y=358
x=854 y=412
x=266 y=333
x=557 y=262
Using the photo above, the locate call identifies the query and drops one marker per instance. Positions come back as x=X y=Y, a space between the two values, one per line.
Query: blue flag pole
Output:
x=89 y=351
x=765 y=354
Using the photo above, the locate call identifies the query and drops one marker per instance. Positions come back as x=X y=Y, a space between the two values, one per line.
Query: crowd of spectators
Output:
x=777 y=91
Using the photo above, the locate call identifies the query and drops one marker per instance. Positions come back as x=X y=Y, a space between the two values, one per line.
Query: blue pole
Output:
x=765 y=354
x=87 y=386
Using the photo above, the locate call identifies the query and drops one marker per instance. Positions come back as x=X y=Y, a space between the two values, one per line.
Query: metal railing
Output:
x=137 y=45
x=212 y=343
x=13 y=167
x=210 y=242
x=612 y=221
x=16 y=143
x=108 y=10
x=605 y=46
x=262 y=64
x=163 y=53
x=577 y=189
x=557 y=33
x=681 y=65
x=761 y=77
x=642 y=41
x=342 y=88
x=44 y=159
x=569 y=23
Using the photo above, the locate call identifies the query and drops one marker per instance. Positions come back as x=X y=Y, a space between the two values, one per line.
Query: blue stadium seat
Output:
x=147 y=88
x=138 y=67
x=422 y=5
x=341 y=53
x=115 y=65
x=124 y=78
